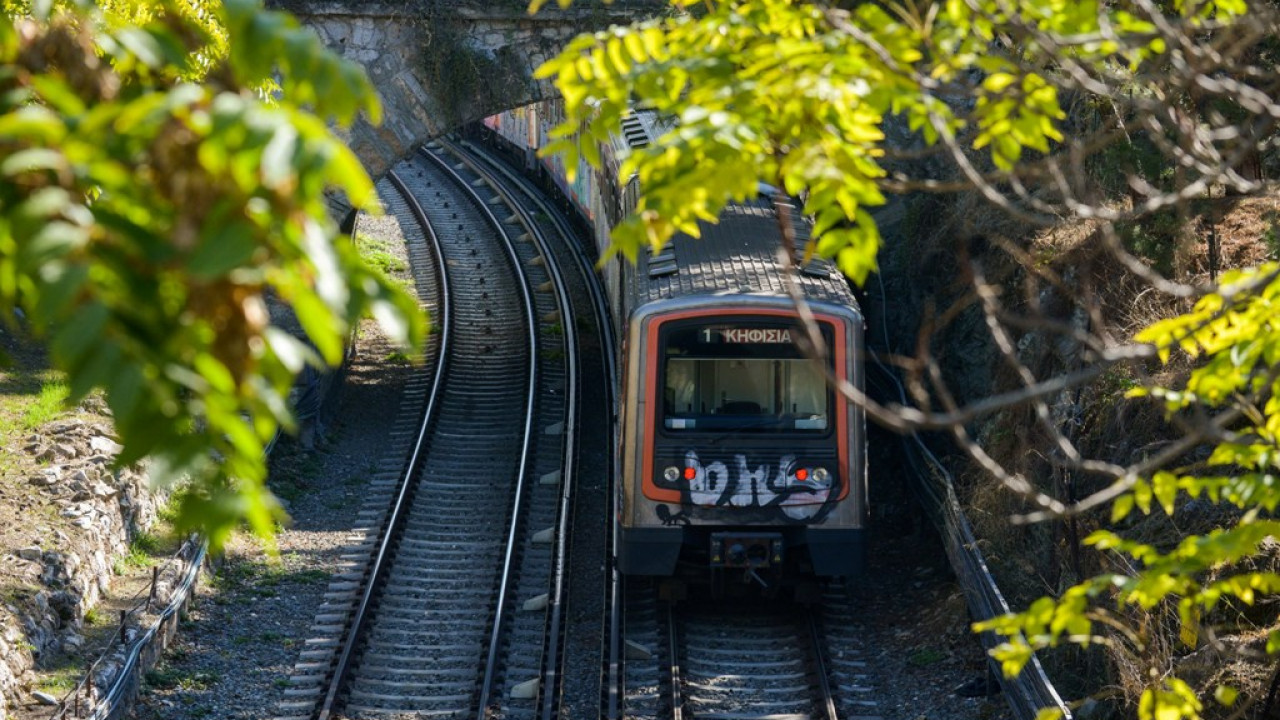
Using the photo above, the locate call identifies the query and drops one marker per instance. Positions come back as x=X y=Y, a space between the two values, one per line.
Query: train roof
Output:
x=736 y=255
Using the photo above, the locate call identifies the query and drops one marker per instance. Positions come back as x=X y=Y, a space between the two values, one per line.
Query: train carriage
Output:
x=736 y=454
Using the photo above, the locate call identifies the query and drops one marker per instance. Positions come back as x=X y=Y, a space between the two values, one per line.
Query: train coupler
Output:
x=750 y=551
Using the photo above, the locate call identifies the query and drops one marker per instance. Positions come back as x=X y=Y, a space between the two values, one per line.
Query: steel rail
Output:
x=675 y=695
x=827 y=700
x=551 y=650
x=486 y=688
x=380 y=564
x=612 y=685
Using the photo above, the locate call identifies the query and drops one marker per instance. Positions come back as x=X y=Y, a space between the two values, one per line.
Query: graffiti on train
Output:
x=741 y=483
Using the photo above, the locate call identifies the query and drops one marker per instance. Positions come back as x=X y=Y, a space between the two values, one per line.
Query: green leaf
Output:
x=1165 y=488
x=142 y=45
x=277 y=158
x=226 y=245
x=34 y=123
x=1121 y=507
x=32 y=159
x=79 y=334
x=215 y=373
x=294 y=354
x=124 y=394
x=52 y=241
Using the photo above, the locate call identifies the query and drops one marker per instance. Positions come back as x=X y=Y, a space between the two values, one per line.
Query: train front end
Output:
x=739 y=459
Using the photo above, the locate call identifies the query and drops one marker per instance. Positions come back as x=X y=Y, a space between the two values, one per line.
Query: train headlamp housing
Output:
x=671 y=474
x=817 y=478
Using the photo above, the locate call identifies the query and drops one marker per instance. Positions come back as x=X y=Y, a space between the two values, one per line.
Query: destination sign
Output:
x=748 y=335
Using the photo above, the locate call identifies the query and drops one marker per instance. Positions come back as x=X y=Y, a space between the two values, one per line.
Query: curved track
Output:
x=578 y=638
x=435 y=605
x=464 y=556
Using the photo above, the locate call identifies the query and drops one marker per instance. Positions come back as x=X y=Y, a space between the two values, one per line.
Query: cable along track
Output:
x=466 y=548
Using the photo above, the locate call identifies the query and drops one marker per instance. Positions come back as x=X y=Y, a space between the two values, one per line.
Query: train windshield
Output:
x=746 y=377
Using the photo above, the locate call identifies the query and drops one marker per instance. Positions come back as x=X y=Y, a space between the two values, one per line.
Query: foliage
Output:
x=146 y=217
x=796 y=94
x=1236 y=332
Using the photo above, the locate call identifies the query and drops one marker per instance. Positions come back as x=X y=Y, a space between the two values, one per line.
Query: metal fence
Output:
x=154 y=613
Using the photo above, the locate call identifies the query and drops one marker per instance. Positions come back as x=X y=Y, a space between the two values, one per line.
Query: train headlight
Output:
x=671 y=474
x=802 y=474
x=821 y=476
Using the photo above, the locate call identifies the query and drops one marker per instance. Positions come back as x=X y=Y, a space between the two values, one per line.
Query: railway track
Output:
x=583 y=637
x=704 y=660
x=304 y=693
x=452 y=614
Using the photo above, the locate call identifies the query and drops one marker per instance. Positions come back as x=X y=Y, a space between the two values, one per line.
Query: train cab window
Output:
x=748 y=377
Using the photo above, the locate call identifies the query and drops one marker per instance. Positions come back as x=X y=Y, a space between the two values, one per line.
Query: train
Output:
x=736 y=462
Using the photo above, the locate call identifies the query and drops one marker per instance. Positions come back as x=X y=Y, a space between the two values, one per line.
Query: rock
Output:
x=32 y=552
x=103 y=490
x=66 y=604
x=106 y=673
x=636 y=651
x=78 y=509
x=66 y=450
x=104 y=445
x=44 y=698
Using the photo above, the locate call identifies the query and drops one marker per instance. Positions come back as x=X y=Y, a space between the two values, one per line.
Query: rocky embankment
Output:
x=66 y=513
